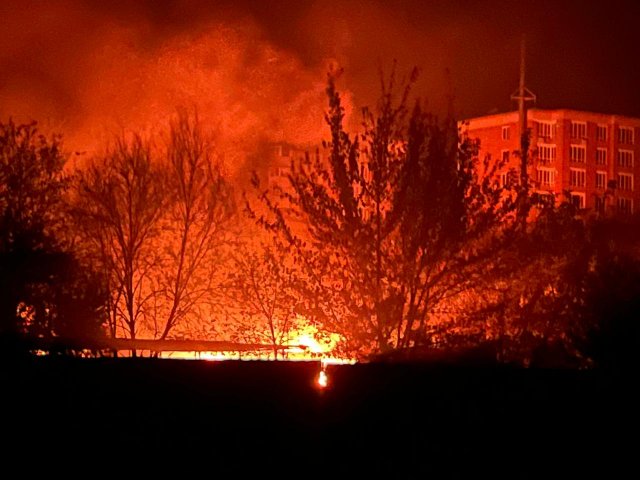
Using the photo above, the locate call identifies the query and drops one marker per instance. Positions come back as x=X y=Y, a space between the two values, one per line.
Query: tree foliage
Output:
x=263 y=286
x=44 y=289
x=152 y=218
x=195 y=225
x=119 y=200
x=603 y=301
x=392 y=226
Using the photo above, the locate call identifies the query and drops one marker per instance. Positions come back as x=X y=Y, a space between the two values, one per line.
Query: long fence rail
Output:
x=155 y=346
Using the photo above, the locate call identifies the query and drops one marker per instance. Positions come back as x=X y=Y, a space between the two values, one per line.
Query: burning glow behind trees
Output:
x=391 y=227
x=305 y=343
x=368 y=243
x=244 y=88
x=398 y=237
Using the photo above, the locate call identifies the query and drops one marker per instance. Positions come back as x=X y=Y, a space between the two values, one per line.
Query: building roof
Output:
x=548 y=114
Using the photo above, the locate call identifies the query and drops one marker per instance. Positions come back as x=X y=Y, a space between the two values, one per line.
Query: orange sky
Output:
x=254 y=70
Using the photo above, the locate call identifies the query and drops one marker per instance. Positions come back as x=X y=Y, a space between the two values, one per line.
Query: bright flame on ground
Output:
x=306 y=343
x=311 y=344
x=322 y=380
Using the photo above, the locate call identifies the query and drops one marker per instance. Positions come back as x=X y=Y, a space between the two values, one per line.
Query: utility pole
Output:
x=522 y=96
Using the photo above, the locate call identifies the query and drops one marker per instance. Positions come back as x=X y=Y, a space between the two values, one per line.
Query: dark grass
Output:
x=391 y=420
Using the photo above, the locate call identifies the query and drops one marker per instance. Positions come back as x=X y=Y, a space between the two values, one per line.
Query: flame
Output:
x=322 y=380
x=305 y=343
x=310 y=343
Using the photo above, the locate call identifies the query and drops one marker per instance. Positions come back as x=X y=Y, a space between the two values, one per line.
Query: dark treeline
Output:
x=398 y=238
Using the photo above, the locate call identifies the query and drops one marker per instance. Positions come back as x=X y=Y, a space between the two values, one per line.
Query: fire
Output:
x=304 y=343
x=308 y=343
x=311 y=344
x=323 y=380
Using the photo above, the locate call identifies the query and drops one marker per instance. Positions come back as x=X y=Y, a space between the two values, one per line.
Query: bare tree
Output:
x=263 y=287
x=195 y=225
x=119 y=201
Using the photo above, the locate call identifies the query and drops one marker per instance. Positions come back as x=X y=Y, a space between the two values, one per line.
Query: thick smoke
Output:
x=257 y=70
x=254 y=72
x=243 y=89
x=102 y=77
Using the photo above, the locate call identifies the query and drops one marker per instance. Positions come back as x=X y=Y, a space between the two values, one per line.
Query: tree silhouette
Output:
x=153 y=217
x=526 y=294
x=604 y=294
x=195 y=225
x=392 y=229
x=119 y=200
x=45 y=291
x=263 y=288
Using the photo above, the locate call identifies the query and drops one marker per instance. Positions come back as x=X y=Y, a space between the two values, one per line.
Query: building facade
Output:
x=278 y=160
x=593 y=158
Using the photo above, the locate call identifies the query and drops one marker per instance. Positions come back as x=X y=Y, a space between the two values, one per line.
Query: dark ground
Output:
x=391 y=420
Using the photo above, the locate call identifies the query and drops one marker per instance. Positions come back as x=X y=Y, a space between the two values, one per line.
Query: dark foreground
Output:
x=242 y=418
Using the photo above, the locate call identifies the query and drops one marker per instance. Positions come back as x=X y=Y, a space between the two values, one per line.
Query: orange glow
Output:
x=310 y=344
x=322 y=380
x=241 y=102
x=305 y=343
x=209 y=356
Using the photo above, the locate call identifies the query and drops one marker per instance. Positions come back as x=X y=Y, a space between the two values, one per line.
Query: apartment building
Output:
x=592 y=157
x=278 y=159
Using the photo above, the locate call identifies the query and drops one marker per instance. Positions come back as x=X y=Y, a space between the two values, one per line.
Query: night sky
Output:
x=252 y=67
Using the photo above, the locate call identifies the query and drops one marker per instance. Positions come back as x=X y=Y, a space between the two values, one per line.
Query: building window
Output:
x=578 y=129
x=601 y=180
x=601 y=156
x=600 y=205
x=601 y=133
x=505 y=156
x=546 y=153
x=625 y=181
x=625 y=135
x=625 y=206
x=546 y=177
x=545 y=130
x=577 y=177
x=578 y=153
x=578 y=200
x=625 y=158
x=506 y=132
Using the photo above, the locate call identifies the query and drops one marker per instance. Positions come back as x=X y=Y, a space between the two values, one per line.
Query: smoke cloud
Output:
x=91 y=76
x=257 y=70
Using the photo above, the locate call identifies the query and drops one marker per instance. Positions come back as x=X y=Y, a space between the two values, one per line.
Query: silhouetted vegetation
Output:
x=398 y=238
x=391 y=231
x=605 y=289
x=45 y=290
x=265 y=289
x=152 y=218
x=119 y=202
